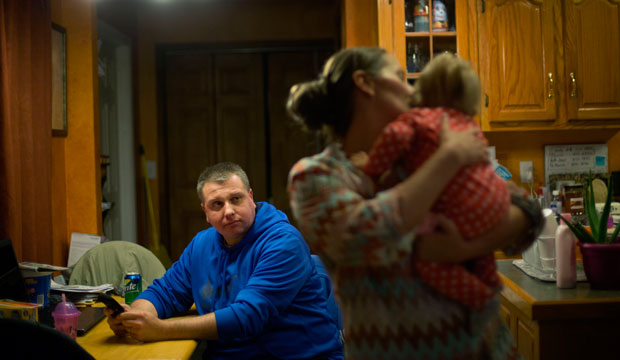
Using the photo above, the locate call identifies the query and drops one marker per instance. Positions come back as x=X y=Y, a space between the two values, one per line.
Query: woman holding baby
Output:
x=369 y=239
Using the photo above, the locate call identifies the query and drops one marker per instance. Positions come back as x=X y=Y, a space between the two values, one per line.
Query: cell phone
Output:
x=111 y=303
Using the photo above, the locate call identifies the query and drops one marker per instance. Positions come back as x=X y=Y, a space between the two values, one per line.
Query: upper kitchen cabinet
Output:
x=517 y=61
x=592 y=59
x=549 y=64
x=415 y=31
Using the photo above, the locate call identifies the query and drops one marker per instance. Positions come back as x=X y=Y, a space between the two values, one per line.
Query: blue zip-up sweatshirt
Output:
x=268 y=299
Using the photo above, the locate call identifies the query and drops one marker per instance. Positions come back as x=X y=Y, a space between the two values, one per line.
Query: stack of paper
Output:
x=81 y=288
x=81 y=294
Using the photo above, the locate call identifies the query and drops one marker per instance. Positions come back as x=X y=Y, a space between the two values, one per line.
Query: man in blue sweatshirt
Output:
x=256 y=289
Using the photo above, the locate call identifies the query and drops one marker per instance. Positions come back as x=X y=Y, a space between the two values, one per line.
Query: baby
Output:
x=476 y=199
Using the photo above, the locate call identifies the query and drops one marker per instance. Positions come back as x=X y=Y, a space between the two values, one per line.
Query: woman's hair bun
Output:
x=307 y=103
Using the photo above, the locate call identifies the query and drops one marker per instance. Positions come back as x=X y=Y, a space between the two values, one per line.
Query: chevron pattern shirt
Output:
x=388 y=312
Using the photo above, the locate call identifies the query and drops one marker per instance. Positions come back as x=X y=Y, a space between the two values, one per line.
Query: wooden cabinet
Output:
x=419 y=34
x=544 y=64
x=524 y=331
x=549 y=64
x=411 y=31
x=592 y=59
x=551 y=323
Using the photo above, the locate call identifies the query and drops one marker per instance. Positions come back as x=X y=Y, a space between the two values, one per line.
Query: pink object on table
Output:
x=66 y=317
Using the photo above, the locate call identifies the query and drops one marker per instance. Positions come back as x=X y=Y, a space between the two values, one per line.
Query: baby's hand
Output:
x=515 y=189
x=359 y=159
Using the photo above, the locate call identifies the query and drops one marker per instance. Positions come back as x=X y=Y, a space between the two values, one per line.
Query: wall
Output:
x=513 y=147
x=76 y=195
x=217 y=22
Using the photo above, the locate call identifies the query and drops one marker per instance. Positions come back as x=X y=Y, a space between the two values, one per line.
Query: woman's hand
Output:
x=466 y=146
x=515 y=189
x=359 y=159
x=443 y=244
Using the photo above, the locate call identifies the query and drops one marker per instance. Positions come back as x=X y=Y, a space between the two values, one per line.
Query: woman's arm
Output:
x=340 y=220
x=515 y=232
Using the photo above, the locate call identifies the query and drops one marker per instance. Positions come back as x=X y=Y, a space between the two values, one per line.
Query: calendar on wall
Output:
x=575 y=159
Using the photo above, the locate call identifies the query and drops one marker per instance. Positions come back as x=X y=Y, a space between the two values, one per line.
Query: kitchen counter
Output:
x=552 y=323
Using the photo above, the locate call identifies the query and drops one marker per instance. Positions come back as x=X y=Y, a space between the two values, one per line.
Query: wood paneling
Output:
x=360 y=23
x=223 y=106
x=191 y=139
x=288 y=142
x=215 y=22
x=239 y=116
x=76 y=179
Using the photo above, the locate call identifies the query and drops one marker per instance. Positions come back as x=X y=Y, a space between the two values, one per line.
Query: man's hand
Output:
x=143 y=325
x=115 y=323
x=141 y=322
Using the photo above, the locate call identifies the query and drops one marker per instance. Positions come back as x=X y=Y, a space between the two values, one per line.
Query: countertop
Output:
x=539 y=299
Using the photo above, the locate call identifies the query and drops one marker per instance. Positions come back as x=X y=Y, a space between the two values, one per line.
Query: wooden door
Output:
x=214 y=113
x=191 y=143
x=230 y=107
x=240 y=118
x=517 y=45
x=592 y=58
x=288 y=142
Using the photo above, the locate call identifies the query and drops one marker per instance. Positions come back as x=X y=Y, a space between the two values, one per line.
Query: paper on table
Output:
x=81 y=288
x=80 y=244
x=32 y=266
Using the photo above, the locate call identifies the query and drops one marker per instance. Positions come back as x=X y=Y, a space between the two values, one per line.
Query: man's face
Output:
x=229 y=208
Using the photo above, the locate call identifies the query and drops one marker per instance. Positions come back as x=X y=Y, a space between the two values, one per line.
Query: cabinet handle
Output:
x=550 y=95
x=573 y=85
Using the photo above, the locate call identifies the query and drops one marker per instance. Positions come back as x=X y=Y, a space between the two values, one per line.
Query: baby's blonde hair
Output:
x=448 y=81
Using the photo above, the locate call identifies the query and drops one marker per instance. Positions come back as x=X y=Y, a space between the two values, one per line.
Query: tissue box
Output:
x=10 y=309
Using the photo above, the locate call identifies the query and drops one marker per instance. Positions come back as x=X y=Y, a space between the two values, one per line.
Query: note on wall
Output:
x=579 y=158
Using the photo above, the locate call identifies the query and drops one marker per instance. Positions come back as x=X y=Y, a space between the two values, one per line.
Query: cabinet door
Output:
x=517 y=55
x=592 y=47
x=526 y=341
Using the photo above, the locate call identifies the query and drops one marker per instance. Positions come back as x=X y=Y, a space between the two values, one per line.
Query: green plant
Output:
x=598 y=223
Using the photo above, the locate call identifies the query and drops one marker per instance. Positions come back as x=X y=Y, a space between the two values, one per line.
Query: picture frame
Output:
x=59 y=81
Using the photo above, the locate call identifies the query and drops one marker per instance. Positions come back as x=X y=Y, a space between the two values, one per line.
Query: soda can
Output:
x=133 y=286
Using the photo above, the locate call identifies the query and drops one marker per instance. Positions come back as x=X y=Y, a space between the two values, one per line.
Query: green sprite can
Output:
x=133 y=286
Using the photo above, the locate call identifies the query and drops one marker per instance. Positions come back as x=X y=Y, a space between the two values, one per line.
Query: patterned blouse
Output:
x=388 y=312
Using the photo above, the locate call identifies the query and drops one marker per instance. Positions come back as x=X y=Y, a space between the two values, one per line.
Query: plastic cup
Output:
x=546 y=247
x=66 y=317
x=551 y=224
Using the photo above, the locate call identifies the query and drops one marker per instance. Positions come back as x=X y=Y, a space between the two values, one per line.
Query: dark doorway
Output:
x=228 y=104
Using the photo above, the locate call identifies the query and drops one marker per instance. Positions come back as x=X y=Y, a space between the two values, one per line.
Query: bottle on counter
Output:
x=556 y=203
x=565 y=258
